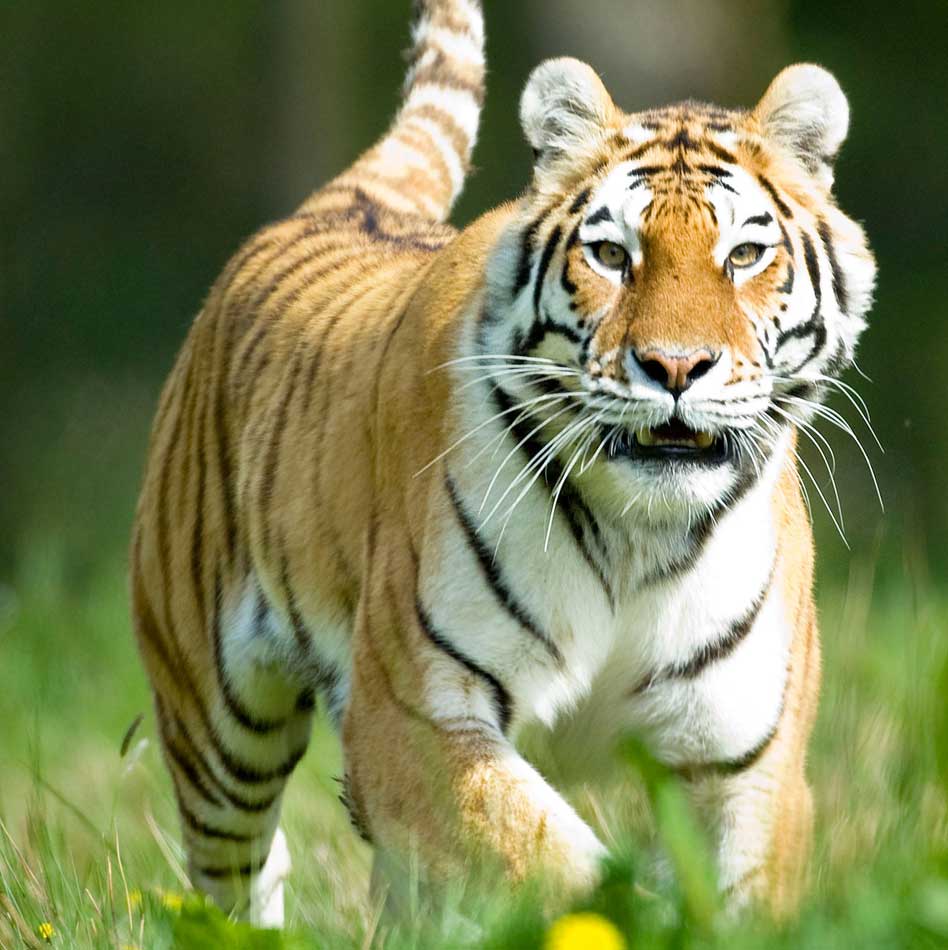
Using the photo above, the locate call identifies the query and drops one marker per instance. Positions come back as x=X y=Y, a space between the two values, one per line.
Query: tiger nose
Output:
x=675 y=371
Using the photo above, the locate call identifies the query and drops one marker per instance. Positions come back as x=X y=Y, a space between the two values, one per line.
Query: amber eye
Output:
x=611 y=255
x=744 y=255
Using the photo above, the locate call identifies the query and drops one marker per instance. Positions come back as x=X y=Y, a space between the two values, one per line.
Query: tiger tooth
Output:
x=703 y=440
x=645 y=437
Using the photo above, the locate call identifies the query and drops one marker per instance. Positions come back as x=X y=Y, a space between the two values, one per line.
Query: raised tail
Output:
x=420 y=165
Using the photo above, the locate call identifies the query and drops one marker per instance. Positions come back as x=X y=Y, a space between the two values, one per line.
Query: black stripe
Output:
x=787 y=286
x=720 y=153
x=697 y=538
x=208 y=831
x=234 y=706
x=814 y=326
x=716 y=171
x=192 y=755
x=502 y=701
x=571 y=505
x=241 y=771
x=716 y=650
x=701 y=533
x=238 y=368
x=341 y=258
x=763 y=219
x=326 y=678
x=839 y=278
x=681 y=141
x=494 y=576
x=300 y=630
x=272 y=457
x=812 y=268
x=244 y=870
x=721 y=183
x=729 y=767
x=603 y=214
x=580 y=200
x=566 y=282
x=782 y=206
x=332 y=316
x=549 y=250
x=648 y=169
x=164 y=489
x=752 y=756
x=249 y=775
x=292 y=267
x=746 y=480
x=538 y=331
x=190 y=772
x=197 y=531
x=259 y=612
x=640 y=150
x=224 y=469
x=526 y=253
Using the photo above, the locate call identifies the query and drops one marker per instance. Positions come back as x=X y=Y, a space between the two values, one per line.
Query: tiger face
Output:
x=686 y=275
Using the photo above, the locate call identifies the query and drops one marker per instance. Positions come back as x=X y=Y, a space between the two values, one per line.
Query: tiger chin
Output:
x=539 y=473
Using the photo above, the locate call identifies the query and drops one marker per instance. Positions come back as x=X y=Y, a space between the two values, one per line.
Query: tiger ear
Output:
x=564 y=107
x=805 y=111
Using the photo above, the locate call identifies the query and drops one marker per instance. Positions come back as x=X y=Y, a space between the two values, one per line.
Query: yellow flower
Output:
x=584 y=932
x=45 y=930
x=135 y=898
x=170 y=900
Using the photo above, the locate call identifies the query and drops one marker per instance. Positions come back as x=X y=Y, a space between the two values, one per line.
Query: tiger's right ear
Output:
x=564 y=108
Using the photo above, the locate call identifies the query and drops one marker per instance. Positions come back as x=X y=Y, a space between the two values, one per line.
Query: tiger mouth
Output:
x=670 y=441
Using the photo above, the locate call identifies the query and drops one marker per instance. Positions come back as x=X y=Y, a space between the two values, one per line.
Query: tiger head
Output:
x=681 y=278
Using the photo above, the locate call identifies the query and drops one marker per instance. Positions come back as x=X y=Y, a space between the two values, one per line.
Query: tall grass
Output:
x=89 y=845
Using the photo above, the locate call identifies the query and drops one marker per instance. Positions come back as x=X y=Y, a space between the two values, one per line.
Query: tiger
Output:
x=539 y=473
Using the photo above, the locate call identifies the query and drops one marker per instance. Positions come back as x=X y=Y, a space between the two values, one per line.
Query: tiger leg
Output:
x=760 y=810
x=431 y=773
x=761 y=825
x=229 y=782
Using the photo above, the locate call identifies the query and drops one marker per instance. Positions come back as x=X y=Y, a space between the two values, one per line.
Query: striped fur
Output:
x=390 y=469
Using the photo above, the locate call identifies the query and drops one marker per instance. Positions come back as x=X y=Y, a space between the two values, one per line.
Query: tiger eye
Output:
x=744 y=255
x=611 y=255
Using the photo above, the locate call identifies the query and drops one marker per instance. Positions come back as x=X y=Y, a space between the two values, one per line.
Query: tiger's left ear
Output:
x=805 y=111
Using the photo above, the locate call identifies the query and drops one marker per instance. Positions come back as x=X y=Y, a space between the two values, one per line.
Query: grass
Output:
x=88 y=842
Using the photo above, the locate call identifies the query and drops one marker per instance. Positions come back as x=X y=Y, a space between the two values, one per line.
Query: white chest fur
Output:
x=573 y=637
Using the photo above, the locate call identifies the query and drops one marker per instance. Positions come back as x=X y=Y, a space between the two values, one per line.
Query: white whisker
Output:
x=518 y=407
x=541 y=425
x=489 y=358
x=808 y=431
x=834 y=418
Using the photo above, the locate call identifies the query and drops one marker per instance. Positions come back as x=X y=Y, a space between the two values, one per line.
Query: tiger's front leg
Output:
x=759 y=808
x=761 y=824
x=429 y=769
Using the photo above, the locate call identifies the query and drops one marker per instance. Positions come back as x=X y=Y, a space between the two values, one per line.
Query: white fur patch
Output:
x=443 y=144
x=458 y=104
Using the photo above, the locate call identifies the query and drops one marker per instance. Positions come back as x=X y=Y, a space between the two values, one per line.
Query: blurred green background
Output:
x=141 y=143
